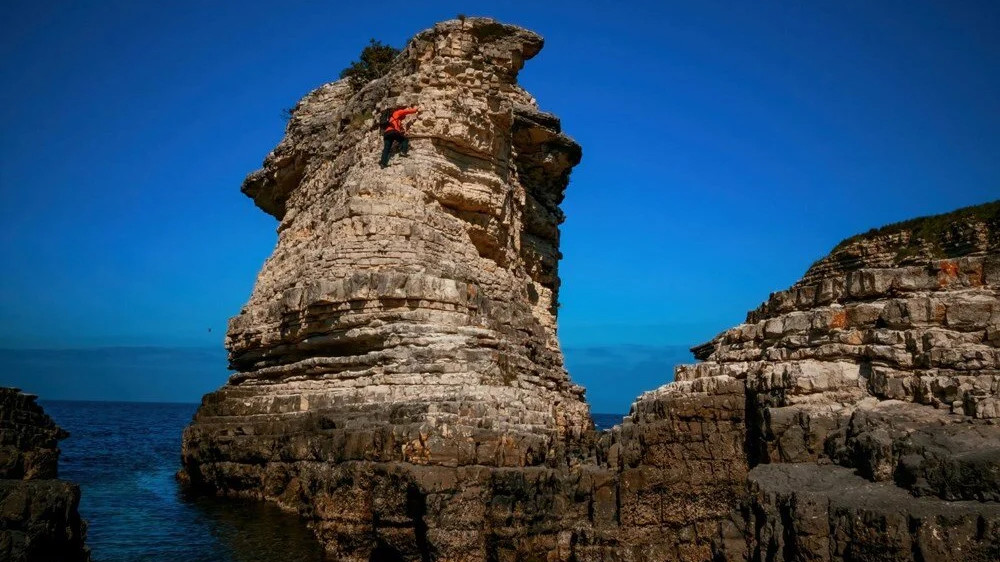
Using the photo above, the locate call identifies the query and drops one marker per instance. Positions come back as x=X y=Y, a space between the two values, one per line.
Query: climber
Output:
x=394 y=132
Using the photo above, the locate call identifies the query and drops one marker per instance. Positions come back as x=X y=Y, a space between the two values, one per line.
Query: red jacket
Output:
x=395 y=122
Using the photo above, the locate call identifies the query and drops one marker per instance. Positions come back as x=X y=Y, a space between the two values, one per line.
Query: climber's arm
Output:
x=404 y=112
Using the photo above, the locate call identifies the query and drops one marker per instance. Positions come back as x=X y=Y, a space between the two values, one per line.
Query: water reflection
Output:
x=249 y=531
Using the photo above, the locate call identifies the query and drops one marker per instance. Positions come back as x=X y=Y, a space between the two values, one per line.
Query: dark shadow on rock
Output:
x=385 y=553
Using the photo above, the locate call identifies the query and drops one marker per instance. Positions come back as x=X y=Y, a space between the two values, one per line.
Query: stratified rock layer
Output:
x=399 y=382
x=406 y=318
x=863 y=401
x=39 y=521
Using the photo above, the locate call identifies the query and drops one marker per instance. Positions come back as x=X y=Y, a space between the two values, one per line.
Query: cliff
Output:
x=39 y=520
x=854 y=415
x=405 y=322
x=399 y=382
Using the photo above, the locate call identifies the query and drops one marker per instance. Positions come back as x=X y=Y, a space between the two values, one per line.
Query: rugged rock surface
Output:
x=400 y=385
x=864 y=400
x=407 y=315
x=39 y=520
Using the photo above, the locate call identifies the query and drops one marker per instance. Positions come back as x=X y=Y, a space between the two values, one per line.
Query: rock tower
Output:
x=407 y=315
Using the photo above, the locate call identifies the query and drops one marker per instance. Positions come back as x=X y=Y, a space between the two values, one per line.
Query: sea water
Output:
x=124 y=456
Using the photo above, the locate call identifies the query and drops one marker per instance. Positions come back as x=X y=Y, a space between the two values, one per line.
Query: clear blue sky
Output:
x=727 y=145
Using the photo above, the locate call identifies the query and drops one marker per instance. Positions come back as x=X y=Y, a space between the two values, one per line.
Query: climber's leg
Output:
x=386 y=148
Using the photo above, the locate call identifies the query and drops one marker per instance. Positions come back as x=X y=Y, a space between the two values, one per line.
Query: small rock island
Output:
x=399 y=383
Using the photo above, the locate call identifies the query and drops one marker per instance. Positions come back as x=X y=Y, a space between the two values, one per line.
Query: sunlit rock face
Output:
x=414 y=307
x=852 y=417
x=407 y=314
x=39 y=517
x=400 y=385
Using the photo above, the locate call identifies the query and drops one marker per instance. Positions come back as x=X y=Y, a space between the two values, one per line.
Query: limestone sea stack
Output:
x=399 y=383
x=39 y=521
x=407 y=314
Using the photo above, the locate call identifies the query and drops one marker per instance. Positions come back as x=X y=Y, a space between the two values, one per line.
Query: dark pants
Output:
x=388 y=138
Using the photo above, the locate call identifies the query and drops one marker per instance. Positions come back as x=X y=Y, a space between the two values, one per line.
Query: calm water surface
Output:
x=124 y=456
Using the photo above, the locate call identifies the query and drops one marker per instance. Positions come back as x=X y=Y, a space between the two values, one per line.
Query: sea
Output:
x=124 y=456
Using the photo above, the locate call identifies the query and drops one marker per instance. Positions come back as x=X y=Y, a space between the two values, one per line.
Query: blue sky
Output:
x=727 y=145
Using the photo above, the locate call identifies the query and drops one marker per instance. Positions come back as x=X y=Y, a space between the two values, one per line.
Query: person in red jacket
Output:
x=394 y=133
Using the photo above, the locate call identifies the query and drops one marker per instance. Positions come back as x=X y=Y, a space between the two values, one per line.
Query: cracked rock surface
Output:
x=865 y=401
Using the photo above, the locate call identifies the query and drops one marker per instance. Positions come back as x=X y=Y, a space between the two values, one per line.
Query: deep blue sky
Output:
x=727 y=145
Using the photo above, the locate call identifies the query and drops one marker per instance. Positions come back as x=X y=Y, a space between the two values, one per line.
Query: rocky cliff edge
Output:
x=854 y=415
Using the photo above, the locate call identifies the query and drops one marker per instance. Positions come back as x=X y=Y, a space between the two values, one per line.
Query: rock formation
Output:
x=407 y=315
x=852 y=417
x=399 y=382
x=39 y=520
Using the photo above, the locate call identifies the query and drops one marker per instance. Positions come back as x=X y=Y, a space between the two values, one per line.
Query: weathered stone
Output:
x=28 y=438
x=895 y=377
x=39 y=521
x=811 y=512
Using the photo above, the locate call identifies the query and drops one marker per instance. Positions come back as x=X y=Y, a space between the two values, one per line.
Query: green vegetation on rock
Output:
x=373 y=63
x=930 y=229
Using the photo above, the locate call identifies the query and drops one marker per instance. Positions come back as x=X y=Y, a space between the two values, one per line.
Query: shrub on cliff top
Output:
x=931 y=229
x=374 y=62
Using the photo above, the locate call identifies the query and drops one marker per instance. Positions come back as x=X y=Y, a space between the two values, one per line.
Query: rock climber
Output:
x=394 y=133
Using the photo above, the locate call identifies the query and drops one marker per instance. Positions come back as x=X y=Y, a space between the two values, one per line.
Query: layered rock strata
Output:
x=401 y=337
x=863 y=402
x=399 y=382
x=39 y=521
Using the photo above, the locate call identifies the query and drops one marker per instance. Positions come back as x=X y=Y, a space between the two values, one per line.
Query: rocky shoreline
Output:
x=400 y=384
x=39 y=517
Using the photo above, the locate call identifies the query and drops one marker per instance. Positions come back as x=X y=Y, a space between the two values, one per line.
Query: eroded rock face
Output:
x=407 y=316
x=400 y=385
x=865 y=404
x=39 y=521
